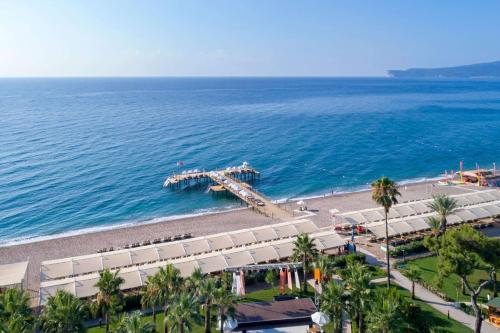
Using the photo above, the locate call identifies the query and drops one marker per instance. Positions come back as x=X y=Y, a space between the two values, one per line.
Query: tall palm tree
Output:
x=414 y=275
x=225 y=302
x=63 y=313
x=194 y=281
x=185 y=310
x=109 y=295
x=443 y=205
x=304 y=250
x=207 y=291
x=385 y=315
x=170 y=282
x=132 y=323
x=385 y=193
x=357 y=280
x=16 y=323
x=151 y=295
x=15 y=313
x=325 y=265
x=332 y=303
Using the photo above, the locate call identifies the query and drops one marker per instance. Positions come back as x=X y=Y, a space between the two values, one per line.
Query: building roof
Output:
x=276 y=312
x=73 y=266
x=13 y=274
x=401 y=226
x=415 y=208
x=215 y=261
x=494 y=303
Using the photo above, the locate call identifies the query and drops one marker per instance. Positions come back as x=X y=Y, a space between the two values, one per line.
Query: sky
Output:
x=242 y=37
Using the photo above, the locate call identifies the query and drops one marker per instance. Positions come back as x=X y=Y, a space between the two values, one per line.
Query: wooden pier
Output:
x=231 y=180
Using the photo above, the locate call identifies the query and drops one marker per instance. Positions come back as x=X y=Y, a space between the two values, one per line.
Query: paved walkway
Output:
x=432 y=299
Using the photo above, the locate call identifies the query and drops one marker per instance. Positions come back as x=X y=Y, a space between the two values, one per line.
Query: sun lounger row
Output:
x=75 y=266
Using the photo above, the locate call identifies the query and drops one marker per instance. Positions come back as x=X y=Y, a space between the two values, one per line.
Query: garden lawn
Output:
x=451 y=285
x=440 y=321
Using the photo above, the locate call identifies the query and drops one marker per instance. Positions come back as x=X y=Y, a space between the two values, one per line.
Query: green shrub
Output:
x=408 y=249
x=341 y=261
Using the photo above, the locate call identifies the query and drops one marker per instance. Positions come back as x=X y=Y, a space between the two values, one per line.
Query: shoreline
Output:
x=177 y=217
x=205 y=224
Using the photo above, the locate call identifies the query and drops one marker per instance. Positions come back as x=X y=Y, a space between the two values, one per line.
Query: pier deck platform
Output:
x=231 y=180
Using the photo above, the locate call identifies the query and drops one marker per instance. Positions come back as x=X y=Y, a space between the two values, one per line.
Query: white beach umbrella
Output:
x=320 y=318
x=229 y=324
x=300 y=203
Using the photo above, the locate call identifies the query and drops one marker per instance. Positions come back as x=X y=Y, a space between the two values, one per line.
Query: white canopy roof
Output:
x=13 y=274
x=419 y=207
x=69 y=267
x=136 y=276
x=419 y=222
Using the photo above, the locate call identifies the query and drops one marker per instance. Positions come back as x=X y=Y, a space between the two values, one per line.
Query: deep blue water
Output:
x=86 y=153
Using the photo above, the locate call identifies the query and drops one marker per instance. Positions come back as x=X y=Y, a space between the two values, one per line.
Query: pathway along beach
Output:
x=89 y=243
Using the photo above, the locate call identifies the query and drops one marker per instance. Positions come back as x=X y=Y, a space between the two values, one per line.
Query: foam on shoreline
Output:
x=197 y=213
x=114 y=226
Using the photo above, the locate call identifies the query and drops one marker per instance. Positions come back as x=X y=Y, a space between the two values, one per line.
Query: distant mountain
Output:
x=484 y=70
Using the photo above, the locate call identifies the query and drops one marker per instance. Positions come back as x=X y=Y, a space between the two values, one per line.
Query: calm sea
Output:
x=93 y=153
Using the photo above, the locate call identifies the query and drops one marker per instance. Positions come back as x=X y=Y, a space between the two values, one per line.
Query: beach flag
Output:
x=238 y=285
x=233 y=286
x=289 y=278
x=317 y=274
x=242 y=281
x=297 y=280
x=180 y=163
x=282 y=281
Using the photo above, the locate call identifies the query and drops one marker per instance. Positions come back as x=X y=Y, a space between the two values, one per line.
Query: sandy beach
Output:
x=88 y=243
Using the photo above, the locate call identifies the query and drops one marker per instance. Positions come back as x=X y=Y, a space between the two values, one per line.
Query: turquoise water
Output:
x=93 y=153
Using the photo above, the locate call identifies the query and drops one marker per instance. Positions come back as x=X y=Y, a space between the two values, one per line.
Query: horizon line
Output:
x=186 y=76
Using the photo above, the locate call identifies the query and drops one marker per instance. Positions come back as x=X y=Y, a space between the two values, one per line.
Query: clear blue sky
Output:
x=242 y=37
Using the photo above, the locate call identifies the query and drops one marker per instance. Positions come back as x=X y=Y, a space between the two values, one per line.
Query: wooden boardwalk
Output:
x=232 y=180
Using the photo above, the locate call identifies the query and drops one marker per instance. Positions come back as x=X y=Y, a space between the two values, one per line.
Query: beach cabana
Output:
x=211 y=262
x=13 y=275
x=264 y=254
x=418 y=223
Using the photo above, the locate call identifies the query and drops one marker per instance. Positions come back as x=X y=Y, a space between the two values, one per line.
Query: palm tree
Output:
x=304 y=250
x=184 y=310
x=325 y=265
x=109 y=296
x=385 y=193
x=151 y=295
x=16 y=323
x=195 y=280
x=435 y=225
x=385 y=314
x=224 y=301
x=170 y=282
x=132 y=323
x=332 y=303
x=207 y=291
x=357 y=280
x=443 y=205
x=63 y=313
x=271 y=277
x=414 y=275
x=15 y=313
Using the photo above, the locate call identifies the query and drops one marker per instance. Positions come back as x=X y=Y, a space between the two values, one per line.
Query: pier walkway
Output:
x=232 y=181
